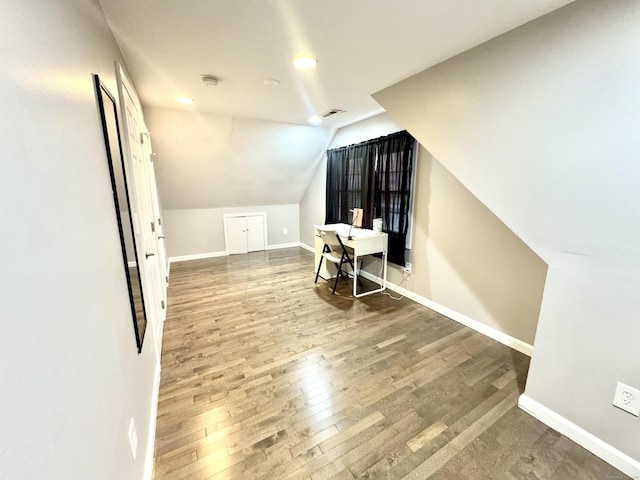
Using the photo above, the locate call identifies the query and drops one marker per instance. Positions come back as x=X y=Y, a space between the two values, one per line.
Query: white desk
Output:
x=363 y=242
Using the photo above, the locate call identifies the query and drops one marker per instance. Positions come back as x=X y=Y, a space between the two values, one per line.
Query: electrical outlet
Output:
x=627 y=398
x=286 y=231
x=133 y=438
x=407 y=268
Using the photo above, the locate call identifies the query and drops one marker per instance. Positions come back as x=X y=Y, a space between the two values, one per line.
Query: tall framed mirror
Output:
x=115 y=159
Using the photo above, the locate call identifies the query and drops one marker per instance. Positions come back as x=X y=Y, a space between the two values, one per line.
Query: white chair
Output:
x=335 y=252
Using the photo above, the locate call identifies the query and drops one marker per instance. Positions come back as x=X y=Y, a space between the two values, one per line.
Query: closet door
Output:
x=255 y=233
x=237 y=235
x=245 y=232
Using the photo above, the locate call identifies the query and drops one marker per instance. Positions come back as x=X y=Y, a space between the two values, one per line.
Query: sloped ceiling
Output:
x=362 y=46
x=208 y=160
x=541 y=124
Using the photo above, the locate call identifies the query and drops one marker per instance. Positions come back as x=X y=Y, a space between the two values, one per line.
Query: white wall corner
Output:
x=480 y=327
x=606 y=452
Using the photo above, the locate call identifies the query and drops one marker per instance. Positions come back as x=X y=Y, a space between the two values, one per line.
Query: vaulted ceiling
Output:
x=246 y=143
x=362 y=46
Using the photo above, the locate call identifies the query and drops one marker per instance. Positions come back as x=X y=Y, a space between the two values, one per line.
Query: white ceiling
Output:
x=362 y=46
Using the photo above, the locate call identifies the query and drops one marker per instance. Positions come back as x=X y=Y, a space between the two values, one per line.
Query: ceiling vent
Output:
x=209 y=80
x=329 y=113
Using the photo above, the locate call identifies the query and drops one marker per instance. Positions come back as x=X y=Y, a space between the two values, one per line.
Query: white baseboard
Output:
x=200 y=256
x=606 y=452
x=197 y=256
x=151 y=443
x=283 y=245
x=490 y=332
x=307 y=247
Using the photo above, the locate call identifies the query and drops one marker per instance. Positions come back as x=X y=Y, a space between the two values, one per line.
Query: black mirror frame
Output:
x=138 y=314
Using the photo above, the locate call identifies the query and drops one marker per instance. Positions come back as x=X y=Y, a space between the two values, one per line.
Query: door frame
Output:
x=226 y=216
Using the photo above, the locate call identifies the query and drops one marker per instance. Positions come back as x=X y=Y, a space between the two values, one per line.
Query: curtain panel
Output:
x=393 y=190
x=376 y=176
x=350 y=183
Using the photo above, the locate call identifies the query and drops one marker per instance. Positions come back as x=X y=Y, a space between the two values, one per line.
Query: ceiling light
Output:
x=315 y=120
x=185 y=100
x=305 y=62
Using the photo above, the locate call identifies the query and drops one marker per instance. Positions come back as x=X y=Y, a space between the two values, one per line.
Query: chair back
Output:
x=331 y=240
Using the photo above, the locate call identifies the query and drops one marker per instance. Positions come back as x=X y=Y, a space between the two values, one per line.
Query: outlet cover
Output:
x=133 y=438
x=627 y=398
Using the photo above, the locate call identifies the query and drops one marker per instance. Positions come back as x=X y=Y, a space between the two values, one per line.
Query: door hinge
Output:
x=153 y=227
x=162 y=303
x=166 y=280
x=142 y=135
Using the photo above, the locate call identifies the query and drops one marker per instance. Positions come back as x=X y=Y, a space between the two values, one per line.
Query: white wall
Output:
x=201 y=231
x=71 y=374
x=541 y=124
x=463 y=257
x=215 y=161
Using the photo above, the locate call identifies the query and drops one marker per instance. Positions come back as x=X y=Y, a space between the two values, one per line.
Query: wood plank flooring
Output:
x=266 y=375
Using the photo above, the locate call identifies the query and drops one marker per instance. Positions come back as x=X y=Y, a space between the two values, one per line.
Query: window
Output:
x=375 y=176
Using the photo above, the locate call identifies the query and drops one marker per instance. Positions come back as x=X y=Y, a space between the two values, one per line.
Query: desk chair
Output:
x=334 y=251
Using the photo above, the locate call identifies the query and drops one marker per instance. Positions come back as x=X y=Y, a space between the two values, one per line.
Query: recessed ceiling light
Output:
x=185 y=100
x=315 y=120
x=271 y=82
x=305 y=62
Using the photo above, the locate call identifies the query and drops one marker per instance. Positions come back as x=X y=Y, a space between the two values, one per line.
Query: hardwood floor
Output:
x=266 y=375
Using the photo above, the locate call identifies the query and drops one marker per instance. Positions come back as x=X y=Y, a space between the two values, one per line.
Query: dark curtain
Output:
x=375 y=176
x=393 y=190
x=336 y=202
x=350 y=182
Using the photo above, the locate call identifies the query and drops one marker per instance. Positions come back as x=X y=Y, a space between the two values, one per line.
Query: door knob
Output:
x=147 y=255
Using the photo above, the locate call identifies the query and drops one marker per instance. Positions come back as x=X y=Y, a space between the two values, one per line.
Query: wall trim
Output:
x=598 y=447
x=283 y=245
x=197 y=256
x=153 y=415
x=480 y=327
x=200 y=256
x=307 y=247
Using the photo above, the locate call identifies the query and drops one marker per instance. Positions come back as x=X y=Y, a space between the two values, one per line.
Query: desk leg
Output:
x=383 y=284
x=355 y=274
x=384 y=268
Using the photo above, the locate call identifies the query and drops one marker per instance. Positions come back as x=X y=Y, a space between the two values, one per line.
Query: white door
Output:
x=245 y=232
x=162 y=244
x=144 y=223
x=255 y=233
x=160 y=282
x=237 y=235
